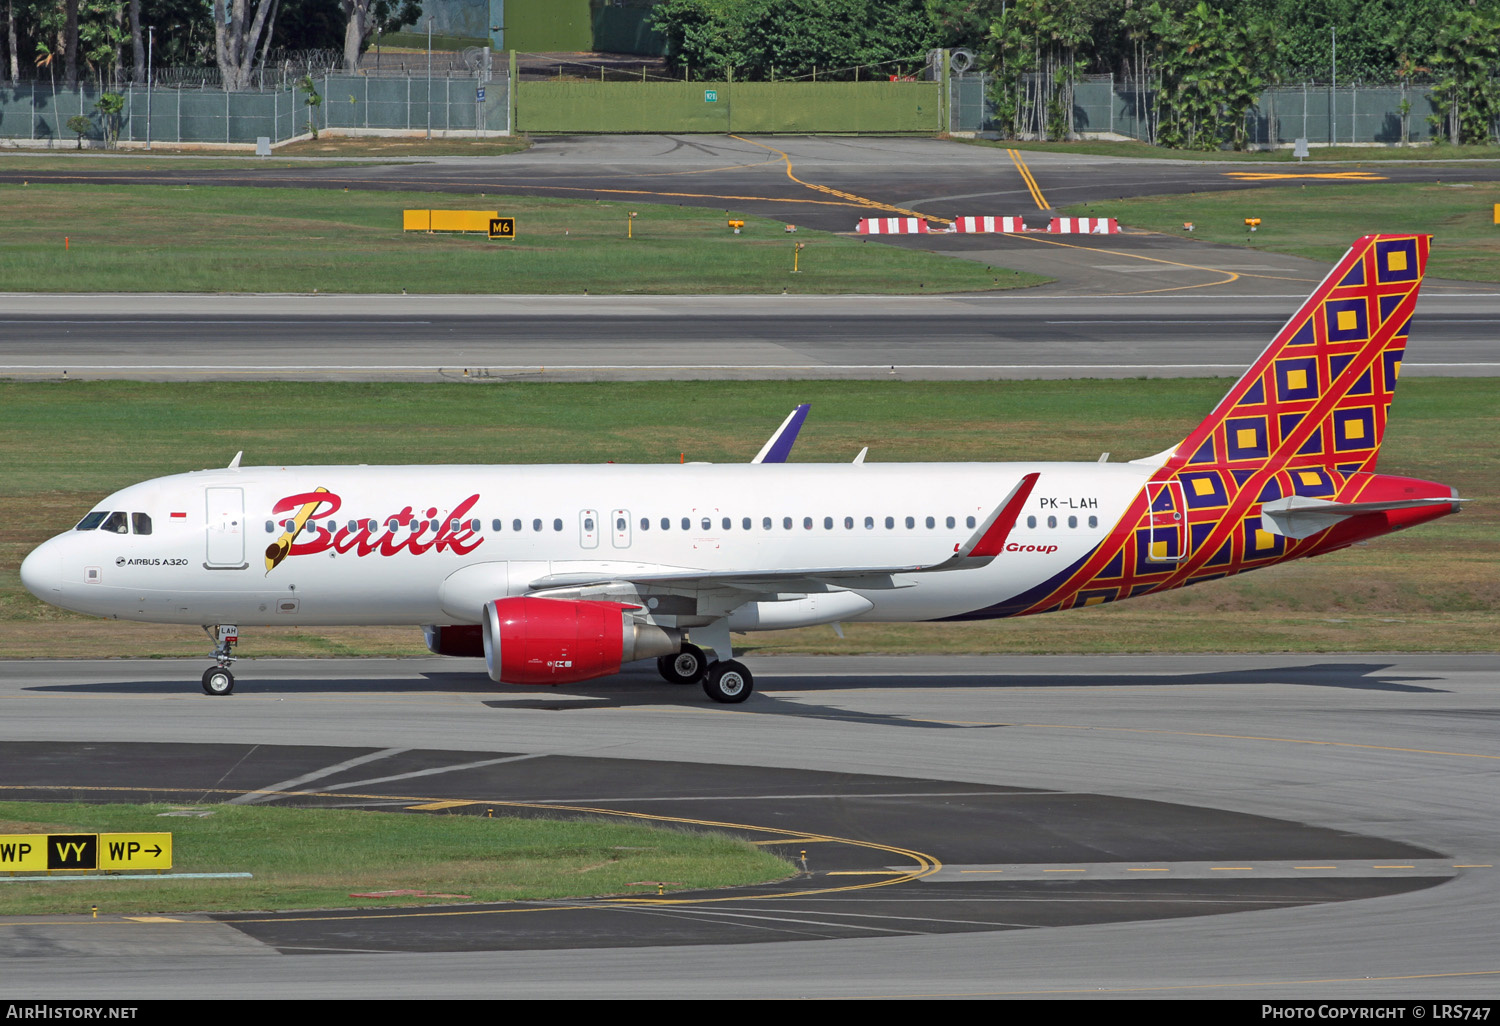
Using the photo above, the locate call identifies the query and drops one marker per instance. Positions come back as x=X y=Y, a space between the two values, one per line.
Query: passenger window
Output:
x=91 y=521
x=1031 y=521
x=1093 y=521
x=931 y=522
x=745 y=523
x=951 y=522
x=765 y=523
x=969 y=522
x=807 y=523
x=848 y=523
x=786 y=523
x=728 y=524
x=687 y=523
x=557 y=525
x=588 y=523
x=911 y=522
x=890 y=523
x=620 y=523
x=708 y=525
x=474 y=525
x=536 y=524
x=645 y=523
x=1072 y=521
x=495 y=525
x=828 y=523
x=1051 y=521
x=515 y=525
x=666 y=524
x=270 y=526
x=869 y=523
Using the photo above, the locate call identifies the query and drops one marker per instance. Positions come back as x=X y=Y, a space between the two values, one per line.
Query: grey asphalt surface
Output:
x=1122 y=305
x=1125 y=753
x=618 y=338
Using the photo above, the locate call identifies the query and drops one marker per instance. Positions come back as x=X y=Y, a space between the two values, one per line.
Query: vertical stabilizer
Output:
x=1319 y=394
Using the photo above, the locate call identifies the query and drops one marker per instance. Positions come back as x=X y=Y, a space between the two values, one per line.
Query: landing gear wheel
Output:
x=218 y=681
x=685 y=667
x=728 y=682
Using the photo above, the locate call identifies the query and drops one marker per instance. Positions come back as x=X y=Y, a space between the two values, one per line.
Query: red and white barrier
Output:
x=892 y=226
x=989 y=224
x=1084 y=226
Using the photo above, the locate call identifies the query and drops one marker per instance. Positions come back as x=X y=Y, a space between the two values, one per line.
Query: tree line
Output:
x=1197 y=67
x=106 y=40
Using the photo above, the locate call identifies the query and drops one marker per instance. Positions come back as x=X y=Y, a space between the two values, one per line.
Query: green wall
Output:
x=834 y=107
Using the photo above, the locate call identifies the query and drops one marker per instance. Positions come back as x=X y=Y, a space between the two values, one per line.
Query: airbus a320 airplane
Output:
x=558 y=574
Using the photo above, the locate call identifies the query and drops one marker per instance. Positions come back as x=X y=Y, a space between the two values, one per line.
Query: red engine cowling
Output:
x=465 y=640
x=555 y=641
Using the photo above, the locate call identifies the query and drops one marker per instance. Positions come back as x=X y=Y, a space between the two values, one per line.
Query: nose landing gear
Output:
x=217 y=680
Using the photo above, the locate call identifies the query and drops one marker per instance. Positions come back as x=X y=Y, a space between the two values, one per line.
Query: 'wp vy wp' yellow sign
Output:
x=45 y=853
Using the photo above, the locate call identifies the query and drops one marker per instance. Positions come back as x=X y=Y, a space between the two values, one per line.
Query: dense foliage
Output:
x=1203 y=63
x=769 y=39
x=1204 y=66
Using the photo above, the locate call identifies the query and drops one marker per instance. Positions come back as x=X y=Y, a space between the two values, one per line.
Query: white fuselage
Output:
x=205 y=558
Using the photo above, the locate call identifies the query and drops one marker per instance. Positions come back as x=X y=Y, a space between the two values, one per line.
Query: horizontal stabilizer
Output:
x=1302 y=516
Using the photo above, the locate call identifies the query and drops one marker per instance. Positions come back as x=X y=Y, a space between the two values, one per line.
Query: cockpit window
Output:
x=118 y=523
x=91 y=521
x=140 y=523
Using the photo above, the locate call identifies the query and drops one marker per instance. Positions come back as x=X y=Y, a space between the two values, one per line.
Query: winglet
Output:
x=779 y=446
x=988 y=540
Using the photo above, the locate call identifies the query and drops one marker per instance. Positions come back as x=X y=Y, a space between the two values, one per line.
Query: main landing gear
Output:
x=685 y=667
x=217 y=680
x=726 y=681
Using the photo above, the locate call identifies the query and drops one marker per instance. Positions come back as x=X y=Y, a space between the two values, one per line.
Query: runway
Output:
x=429 y=338
x=1237 y=776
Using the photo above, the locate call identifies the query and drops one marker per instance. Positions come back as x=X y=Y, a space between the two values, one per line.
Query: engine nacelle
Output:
x=465 y=640
x=555 y=641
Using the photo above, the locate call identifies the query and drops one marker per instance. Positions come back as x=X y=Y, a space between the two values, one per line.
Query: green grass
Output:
x=317 y=858
x=134 y=160
x=1320 y=154
x=335 y=145
x=1318 y=221
x=222 y=239
x=329 y=145
x=1436 y=587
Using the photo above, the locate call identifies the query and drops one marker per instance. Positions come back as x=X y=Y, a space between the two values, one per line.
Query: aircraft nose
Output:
x=42 y=571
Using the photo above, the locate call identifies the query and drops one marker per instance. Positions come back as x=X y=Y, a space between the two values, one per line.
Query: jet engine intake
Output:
x=530 y=640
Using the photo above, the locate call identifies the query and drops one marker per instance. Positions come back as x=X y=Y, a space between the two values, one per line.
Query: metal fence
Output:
x=1317 y=113
x=40 y=112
